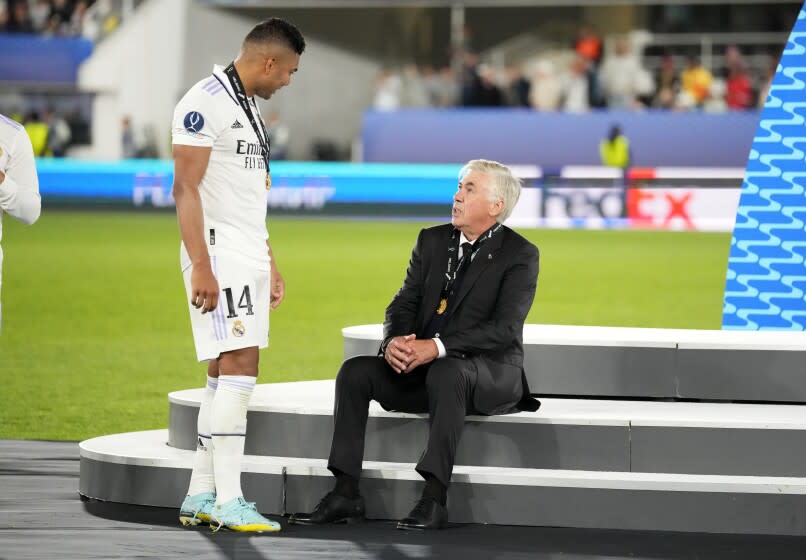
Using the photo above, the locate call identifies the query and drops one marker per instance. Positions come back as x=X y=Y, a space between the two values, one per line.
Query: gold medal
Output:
x=268 y=180
x=443 y=305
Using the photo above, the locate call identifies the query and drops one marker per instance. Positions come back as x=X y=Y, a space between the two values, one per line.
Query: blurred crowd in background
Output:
x=56 y=120
x=91 y=19
x=52 y=127
x=51 y=134
x=583 y=77
x=588 y=72
x=63 y=18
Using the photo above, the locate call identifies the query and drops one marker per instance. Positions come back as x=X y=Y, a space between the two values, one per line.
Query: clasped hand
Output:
x=404 y=353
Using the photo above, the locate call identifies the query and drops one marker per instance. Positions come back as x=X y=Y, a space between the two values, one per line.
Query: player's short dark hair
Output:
x=277 y=30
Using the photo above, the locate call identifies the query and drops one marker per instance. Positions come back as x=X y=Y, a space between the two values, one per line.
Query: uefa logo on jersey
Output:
x=238 y=328
x=194 y=122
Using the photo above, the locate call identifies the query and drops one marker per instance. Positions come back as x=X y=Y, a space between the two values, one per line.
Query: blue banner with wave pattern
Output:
x=766 y=279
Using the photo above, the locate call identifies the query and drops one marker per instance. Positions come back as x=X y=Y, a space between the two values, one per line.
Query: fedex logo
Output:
x=659 y=208
x=706 y=209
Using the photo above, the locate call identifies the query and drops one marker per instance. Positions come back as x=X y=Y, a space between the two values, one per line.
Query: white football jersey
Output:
x=19 y=191
x=233 y=189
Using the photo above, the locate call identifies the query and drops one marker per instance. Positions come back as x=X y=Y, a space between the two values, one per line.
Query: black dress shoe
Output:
x=333 y=508
x=427 y=514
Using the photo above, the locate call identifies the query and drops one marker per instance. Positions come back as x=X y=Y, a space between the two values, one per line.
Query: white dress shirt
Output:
x=437 y=341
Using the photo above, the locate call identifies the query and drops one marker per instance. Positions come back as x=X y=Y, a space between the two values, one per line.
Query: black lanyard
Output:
x=455 y=263
x=240 y=96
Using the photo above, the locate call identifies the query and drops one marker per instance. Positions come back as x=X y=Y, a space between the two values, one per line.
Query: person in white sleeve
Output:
x=19 y=185
x=221 y=181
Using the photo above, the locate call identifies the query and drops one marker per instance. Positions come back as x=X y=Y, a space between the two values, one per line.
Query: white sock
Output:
x=202 y=479
x=228 y=428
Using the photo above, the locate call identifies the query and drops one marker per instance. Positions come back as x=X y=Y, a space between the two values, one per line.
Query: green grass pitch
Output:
x=96 y=329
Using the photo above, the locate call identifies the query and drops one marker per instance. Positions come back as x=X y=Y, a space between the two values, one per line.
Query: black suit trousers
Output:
x=444 y=388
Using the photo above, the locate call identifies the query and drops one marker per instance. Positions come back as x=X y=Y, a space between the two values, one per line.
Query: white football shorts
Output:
x=241 y=319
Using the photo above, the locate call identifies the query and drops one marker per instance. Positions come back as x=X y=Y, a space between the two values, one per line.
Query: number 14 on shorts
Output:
x=244 y=302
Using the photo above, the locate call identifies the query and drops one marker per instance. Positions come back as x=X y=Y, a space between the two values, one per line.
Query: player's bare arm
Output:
x=190 y=164
x=277 y=282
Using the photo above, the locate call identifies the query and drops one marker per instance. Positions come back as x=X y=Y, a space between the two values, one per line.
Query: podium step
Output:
x=295 y=420
x=617 y=362
x=140 y=468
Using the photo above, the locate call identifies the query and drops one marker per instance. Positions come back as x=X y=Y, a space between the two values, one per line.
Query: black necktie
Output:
x=467 y=254
x=440 y=320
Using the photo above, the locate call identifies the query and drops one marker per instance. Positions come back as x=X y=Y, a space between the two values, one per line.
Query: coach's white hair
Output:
x=504 y=185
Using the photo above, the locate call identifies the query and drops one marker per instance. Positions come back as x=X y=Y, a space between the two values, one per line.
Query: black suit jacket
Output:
x=486 y=324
